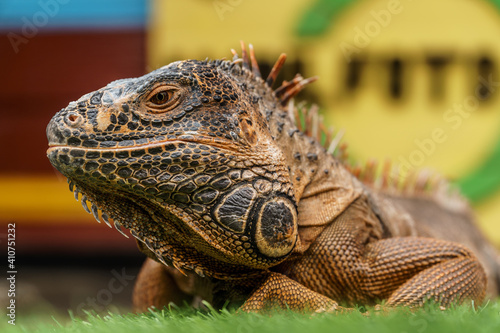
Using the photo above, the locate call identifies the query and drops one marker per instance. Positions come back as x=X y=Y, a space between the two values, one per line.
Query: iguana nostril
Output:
x=73 y=119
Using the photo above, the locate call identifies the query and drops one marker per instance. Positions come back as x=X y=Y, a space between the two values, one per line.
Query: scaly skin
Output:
x=202 y=162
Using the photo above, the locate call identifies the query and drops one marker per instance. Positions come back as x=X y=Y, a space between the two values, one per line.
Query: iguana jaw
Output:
x=161 y=237
x=108 y=191
x=164 y=235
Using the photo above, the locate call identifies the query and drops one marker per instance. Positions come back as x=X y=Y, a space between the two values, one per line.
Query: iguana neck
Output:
x=311 y=167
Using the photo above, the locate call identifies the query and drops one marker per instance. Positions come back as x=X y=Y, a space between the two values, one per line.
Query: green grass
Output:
x=429 y=319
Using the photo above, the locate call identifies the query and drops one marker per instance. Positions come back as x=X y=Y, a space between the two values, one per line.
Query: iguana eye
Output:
x=160 y=98
x=163 y=98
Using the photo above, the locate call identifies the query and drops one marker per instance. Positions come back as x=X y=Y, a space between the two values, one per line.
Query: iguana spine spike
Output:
x=308 y=122
x=407 y=181
x=316 y=119
x=244 y=56
x=335 y=142
x=199 y=271
x=235 y=55
x=287 y=85
x=84 y=204
x=118 y=227
x=420 y=180
x=356 y=171
x=136 y=236
x=160 y=258
x=296 y=88
x=328 y=132
x=105 y=218
x=95 y=212
x=370 y=171
x=149 y=245
x=255 y=65
x=178 y=267
x=296 y=116
x=291 y=112
x=386 y=174
x=343 y=153
x=275 y=70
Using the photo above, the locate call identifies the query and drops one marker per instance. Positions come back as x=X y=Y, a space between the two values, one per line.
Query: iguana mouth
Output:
x=201 y=140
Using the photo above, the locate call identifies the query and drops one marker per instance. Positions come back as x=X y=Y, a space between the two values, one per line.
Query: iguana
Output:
x=230 y=190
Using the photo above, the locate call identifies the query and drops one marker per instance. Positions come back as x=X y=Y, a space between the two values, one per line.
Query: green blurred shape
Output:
x=319 y=16
x=485 y=180
x=322 y=13
x=495 y=3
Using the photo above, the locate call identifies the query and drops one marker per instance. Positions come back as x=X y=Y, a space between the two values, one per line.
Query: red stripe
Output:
x=78 y=239
x=48 y=72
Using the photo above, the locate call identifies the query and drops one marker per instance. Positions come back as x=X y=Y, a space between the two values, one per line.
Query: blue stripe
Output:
x=73 y=13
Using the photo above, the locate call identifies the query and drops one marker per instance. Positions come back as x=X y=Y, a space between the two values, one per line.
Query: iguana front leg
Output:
x=279 y=291
x=412 y=270
x=350 y=262
x=407 y=271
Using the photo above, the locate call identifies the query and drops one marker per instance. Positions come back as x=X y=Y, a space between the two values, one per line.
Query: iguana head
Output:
x=183 y=157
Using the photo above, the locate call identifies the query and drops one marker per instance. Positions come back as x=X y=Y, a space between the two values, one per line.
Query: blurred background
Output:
x=414 y=81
